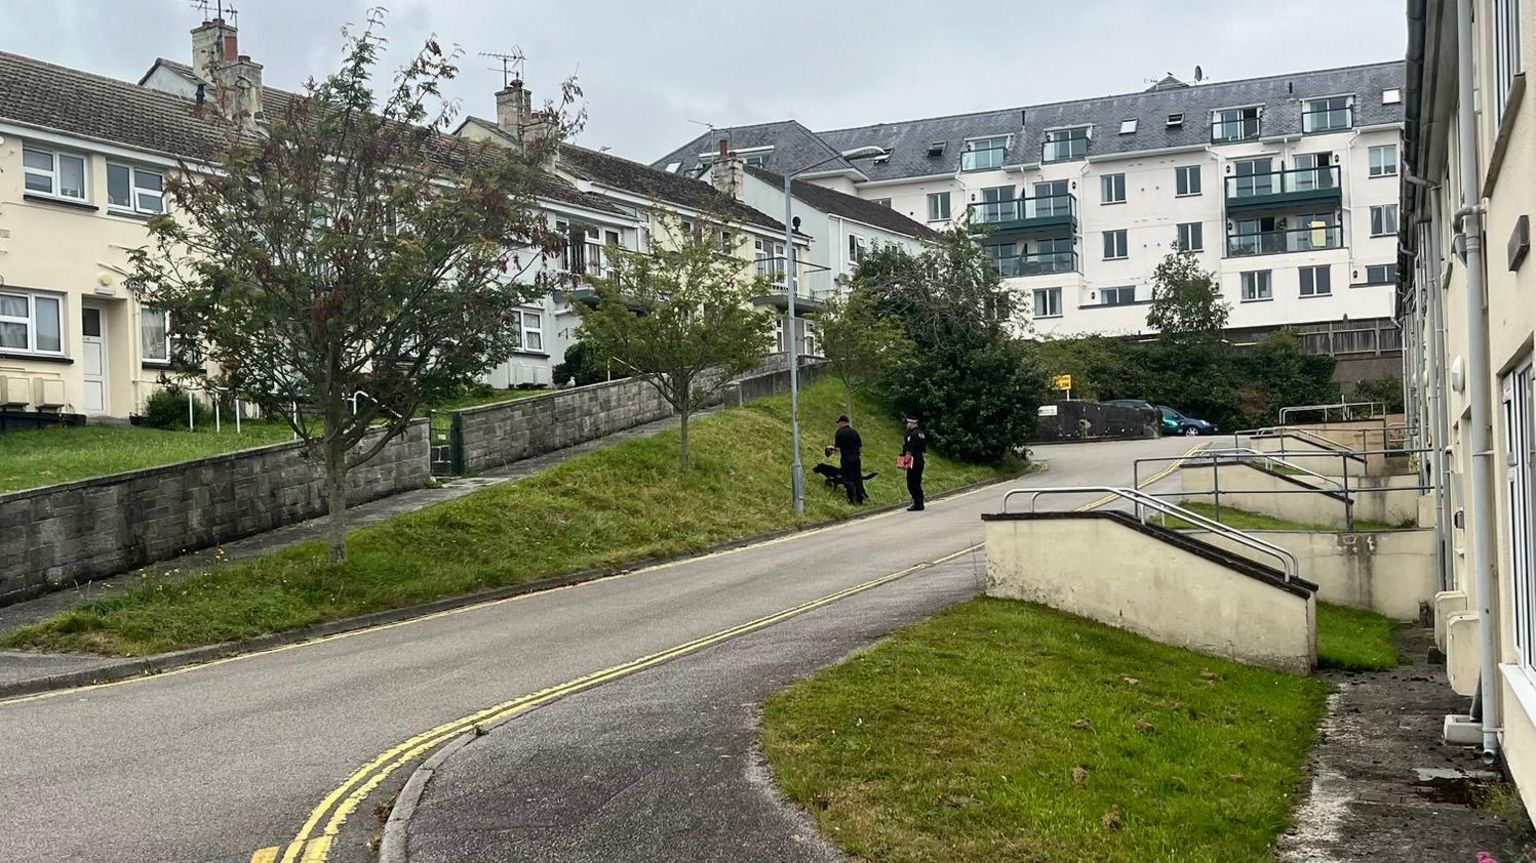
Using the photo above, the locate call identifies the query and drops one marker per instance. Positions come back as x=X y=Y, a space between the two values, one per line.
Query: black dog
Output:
x=834 y=476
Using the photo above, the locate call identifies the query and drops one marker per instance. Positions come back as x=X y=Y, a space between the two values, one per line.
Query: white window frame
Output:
x=1258 y=120
x=1181 y=177
x=857 y=250
x=1181 y=237
x=941 y=212
x=1105 y=294
x=1392 y=96
x=1124 y=244
x=1519 y=408
x=1506 y=54
x=1127 y=127
x=135 y=191
x=1258 y=286
x=1386 y=269
x=985 y=144
x=30 y=321
x=1379 y=218
x=1110 y=184
x=1384 y=167
x=52 y=174
x=524 y=330
x=1052 y=297
x=1066 y=135
x=145 y=342
x=1307 y=277
x=1308 y=113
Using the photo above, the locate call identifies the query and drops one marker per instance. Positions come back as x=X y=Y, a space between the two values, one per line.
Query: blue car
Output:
x=1177 y=423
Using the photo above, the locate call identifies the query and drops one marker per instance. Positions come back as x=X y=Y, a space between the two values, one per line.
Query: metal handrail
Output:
x=1306 y=434
x=1288 y=563
x=1377 y=409
x=1270 y=457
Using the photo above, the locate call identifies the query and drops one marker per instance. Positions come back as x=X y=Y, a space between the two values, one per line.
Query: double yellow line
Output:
x=312 y=843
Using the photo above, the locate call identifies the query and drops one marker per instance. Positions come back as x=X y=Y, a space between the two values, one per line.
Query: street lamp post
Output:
x=791 y=336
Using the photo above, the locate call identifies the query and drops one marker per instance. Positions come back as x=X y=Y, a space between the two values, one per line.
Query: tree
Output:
x=1280 y=372
x=680 y=319
x=346 y=260
x=972 y=383
x=1186 y=301
x=862 y=348
x=582 y=366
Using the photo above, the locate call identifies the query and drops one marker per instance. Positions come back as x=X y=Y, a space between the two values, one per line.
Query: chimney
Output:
x=514 y=108
x=729 y=173
x=238 y=86
x=213 y=42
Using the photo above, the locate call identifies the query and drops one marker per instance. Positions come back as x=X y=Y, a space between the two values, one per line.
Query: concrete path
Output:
x=236 y=760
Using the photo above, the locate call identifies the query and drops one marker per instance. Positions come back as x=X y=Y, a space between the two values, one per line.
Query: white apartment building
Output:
x=1286 y=186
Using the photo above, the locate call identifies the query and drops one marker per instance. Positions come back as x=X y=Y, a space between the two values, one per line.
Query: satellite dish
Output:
x=1199 y=75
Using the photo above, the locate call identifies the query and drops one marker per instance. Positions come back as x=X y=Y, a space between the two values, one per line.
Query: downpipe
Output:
x=1480 y=512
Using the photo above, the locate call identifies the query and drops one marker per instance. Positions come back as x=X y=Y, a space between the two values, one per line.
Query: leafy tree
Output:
x=582 y=366
x=862 y=348
x=972 y=383
x=1280 y=372
x=347 y=260
x=1186 y=300
x=1388 y=391
x=680 y=319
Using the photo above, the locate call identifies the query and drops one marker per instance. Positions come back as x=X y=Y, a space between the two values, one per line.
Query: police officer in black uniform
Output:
x=916 y=446
x=850 y=450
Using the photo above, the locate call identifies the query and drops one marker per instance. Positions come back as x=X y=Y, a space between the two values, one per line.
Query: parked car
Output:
x=1177 y=423
x=1130 y=403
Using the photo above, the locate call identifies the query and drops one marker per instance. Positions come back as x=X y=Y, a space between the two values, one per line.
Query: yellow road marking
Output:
x=266 y=855
x=317 y=850
x=492 y=603
x=345 y=799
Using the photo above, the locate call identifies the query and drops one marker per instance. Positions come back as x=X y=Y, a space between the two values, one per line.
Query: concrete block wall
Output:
x=57 y=536
x=497 y=434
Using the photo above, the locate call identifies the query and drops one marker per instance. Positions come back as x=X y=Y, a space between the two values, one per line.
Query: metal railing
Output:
x=1325 y=178
x=1288 y=562
x=1239 y=129
x=1036 y=264
x=1285 y=465
x=1020 y=209
x=1286 y=240
x=1347 y=410
x=1283 y=432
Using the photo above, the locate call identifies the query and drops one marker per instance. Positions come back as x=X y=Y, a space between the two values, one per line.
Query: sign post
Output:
x=1063 y=383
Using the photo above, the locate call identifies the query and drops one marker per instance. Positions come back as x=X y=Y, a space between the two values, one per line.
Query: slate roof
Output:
x=93 y=107
x=849 y=206
x=908 y=141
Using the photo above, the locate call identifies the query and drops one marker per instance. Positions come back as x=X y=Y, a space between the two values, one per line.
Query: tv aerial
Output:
x=511 y=64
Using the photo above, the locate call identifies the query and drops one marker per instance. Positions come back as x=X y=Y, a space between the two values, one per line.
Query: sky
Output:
x=657 y=74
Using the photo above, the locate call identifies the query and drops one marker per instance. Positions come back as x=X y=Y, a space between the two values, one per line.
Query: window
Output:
x=1519 y=403
x=1192 y=237
x=756 y=160
x=1316 y=282
x=856 y=249
x=984 y=153
x=1381 y=274
x=31 y=323
x=1384 y=220
x=1175 y=120
x=1063 y=145
x=884 y=202
x=1118 y=296
x=938 y=207
x=155 y=336
x=1048 y=303
x=1328 y=115
x=1256 y=286
x=135 y=189
x=531 y=331
x=935 y=149
x=58 y=175
x=1235 y=124
x=1254 y=177
x=1052 y=199
x=674 y=167
x=1127 y=127
x=1186 y=179
x=1391 y=96
x=1384 y=160
x=1115 y=245
x=771 y=263
x=1113 y=186
x=1506 y=50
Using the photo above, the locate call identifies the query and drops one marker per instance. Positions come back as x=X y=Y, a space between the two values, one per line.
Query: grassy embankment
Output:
x=29 y=459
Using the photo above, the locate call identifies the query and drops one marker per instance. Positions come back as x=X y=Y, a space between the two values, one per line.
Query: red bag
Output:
x=904 y=462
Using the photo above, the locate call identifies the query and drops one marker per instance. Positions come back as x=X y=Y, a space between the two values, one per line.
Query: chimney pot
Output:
x=725 y=148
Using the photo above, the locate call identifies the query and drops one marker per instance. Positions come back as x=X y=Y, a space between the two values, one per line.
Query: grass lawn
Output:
x=29 y=459
x=1004 y=731
x=487 y=397
x=620 y=504
x=1354 y=640
x=1245 y=520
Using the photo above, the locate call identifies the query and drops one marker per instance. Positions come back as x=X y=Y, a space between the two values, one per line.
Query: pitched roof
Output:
x=909 y=142
x=848 y=206
x=640 y=179
x=93 y=107
x=795 y=148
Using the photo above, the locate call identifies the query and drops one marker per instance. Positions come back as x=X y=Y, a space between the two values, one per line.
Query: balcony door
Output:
x=1313 y=172
x=1051 y=199
x=1254 y=177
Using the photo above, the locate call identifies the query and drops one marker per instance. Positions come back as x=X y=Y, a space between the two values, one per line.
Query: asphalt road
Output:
x=229 y=762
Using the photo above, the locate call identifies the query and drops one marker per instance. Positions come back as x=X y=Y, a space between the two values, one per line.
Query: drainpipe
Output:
x=1441 y=417
x=1480 y=511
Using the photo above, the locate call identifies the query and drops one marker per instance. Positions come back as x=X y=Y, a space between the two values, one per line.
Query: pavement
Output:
x=292 y=752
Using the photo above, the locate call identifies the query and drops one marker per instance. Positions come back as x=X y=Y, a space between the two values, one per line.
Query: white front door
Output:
x=94 y=359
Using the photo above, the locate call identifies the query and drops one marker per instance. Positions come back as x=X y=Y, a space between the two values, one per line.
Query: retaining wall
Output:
x=60 y=535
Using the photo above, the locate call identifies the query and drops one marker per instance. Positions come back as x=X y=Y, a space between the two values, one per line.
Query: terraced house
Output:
x=1286 y=187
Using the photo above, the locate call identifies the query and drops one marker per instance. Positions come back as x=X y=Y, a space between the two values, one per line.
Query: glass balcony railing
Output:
x=1305 y=183
x=1328 y=118
x=1054 y=208
x=1244 y=129
x=983 y=159
x=1064 y=150
x=1036 y=264
x=1304 y=239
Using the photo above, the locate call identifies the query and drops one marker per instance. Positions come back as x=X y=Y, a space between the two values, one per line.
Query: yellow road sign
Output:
x=1061 y=382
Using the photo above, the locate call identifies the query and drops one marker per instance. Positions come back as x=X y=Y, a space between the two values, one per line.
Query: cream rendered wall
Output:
x=82 y=255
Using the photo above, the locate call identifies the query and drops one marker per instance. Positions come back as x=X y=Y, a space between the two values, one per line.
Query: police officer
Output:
x=916 y=446
x=850 y=450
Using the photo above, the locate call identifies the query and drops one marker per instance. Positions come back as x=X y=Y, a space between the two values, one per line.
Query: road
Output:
x=286 y=754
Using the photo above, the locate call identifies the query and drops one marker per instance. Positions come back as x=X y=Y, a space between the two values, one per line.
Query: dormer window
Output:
x=1064 y=145
x=1235 y=124
x=935 y=149
x=1127 y=127
x=1333 y=114
x=674 y=167
x=984 y=153
x=757 y=160
x=54 y=174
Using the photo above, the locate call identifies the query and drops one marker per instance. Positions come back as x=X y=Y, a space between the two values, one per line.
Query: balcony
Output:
x=1064 y=150
x=1279 y=189
x=983 y=159
x=1037 y=264
x=1236 y=129
x=1283 y=241
x=1022 y=215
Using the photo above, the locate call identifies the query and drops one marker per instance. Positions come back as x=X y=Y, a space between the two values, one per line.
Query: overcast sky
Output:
x=650 y=69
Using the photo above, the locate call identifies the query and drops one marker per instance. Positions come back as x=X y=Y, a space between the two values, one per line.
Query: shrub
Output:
x=167 y=409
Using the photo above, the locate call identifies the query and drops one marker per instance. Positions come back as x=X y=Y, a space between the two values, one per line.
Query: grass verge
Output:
x=620 y=504
x=1354 y=640
x=29 y=459
x=1003 y=731
x=1244 y=520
